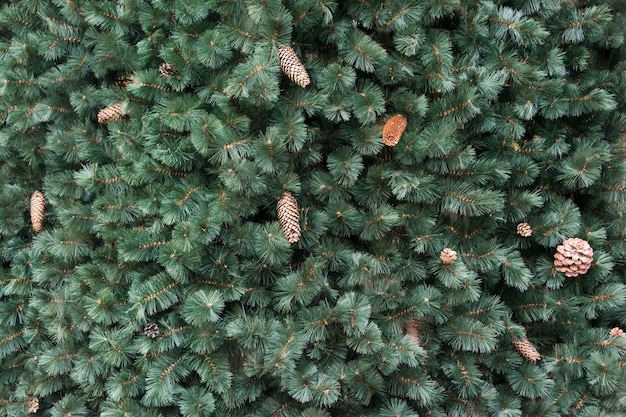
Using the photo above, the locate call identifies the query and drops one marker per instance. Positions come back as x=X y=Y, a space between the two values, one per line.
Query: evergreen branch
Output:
x=158 y=293
x=455 y=109
x=11 y=337
x=227 y=285
x=397 y=16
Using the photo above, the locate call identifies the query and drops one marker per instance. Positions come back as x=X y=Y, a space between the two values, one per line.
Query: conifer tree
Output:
x=312 y=208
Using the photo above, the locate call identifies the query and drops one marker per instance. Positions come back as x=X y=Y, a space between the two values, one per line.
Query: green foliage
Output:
x=162 y=283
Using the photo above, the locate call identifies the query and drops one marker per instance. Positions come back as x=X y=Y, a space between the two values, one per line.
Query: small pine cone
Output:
x=167 y=70
x=524 y=230
x=289 y=217
x=33 y=405
x=393 y=130
x=292 y=67
x=122 y=80
x=151 y=330
x=111 y=113
x=574 y=257
x=37 y=210
x=448 y=256
x=616 y=331
x=412 y=330
x=527 y=349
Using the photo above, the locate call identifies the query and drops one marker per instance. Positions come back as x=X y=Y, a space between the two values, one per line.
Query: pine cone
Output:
x=122 y=80
x=524 y=230
x=448 y=256
x=37 y=210
x=412 y=330
x=527 y=349
x=616 y=331
x=167 y=70
x=292 y=67
x=33 y=405
x=574 y=257
x=111 y=113
x=393 y=129
x=151 y=330
x=289 y=217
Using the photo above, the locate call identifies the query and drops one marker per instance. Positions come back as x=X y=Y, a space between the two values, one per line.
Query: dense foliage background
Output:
x=418 y=279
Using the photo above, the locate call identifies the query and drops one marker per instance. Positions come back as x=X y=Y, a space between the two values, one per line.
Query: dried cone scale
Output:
x=111 y=113
x=289 y=217
x=393 y=130
x=292 y=67
x=574 y=257
x=37 y=210
x=447 y=256
x=527 y=350
x=617 y=332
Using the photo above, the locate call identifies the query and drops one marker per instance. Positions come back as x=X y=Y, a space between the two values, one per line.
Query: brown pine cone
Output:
x=33 y=405
x=393 y=130
x=412 y=330
x=122 y=80
x=292 y=67
x=448 y=256
x=524 y=230
x=289 y=217
x=167 y=70
x=151 y=330
x=111 y=113
x=527 y=350
x=37 y=210
x=574 y=257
